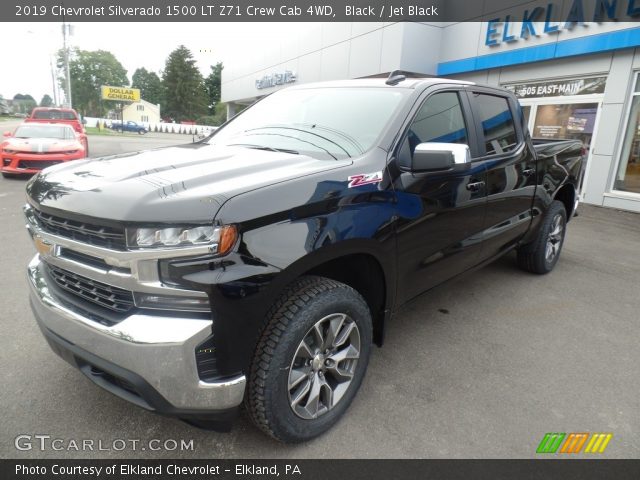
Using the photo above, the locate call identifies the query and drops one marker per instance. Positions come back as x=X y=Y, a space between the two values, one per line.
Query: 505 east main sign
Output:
x=546 y=18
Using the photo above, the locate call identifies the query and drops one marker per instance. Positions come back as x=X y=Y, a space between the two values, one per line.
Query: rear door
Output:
x=510 y=165
x=441 y=213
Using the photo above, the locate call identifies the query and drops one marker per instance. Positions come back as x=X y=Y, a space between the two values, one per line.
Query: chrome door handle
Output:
x=474 y=187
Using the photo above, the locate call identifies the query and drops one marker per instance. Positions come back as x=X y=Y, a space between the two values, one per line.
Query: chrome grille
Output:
x=98 y=235
x=113 y=298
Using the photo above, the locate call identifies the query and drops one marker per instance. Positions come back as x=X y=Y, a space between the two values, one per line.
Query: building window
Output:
x=140 y=108
x=628 y=175
x=144 y=118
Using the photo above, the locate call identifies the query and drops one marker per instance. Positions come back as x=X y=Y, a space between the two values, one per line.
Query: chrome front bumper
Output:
x=158 y=349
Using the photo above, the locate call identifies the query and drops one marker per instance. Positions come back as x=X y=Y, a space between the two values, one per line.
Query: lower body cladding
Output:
x=149 y=360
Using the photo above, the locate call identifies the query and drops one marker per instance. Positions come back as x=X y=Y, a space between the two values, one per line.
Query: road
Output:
x=482 y=367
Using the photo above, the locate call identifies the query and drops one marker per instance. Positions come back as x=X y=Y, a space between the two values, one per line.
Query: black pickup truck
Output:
x=261 y=264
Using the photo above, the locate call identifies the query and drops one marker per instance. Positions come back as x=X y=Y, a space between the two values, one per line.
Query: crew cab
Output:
x=261 y=264
x=128 y=126
x=65 y=116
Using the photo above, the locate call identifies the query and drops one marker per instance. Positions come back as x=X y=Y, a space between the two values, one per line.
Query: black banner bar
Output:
x=582 y=469
x=551 y=13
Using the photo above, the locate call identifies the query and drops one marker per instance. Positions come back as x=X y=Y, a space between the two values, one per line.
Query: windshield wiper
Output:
x=263 y=147
x=304 y=131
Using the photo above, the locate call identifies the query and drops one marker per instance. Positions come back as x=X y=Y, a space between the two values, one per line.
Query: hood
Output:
x=186 y=183
x=40 y=145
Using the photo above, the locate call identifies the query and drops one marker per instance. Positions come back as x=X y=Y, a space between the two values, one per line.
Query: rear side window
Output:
x=497 y=124
x=53 y=115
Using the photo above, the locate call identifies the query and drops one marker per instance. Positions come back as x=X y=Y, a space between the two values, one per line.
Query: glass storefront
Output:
x=566 y=121
x=628 y=175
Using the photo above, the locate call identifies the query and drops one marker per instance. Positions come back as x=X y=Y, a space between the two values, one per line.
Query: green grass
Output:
x=97 y=131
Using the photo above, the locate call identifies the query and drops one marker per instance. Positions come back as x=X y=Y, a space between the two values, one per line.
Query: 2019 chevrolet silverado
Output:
x=261 y=264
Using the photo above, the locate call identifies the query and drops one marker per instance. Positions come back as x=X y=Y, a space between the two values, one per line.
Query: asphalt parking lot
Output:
x=482 y=367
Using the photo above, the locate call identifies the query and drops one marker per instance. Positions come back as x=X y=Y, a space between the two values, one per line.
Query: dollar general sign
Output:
x=122 y=94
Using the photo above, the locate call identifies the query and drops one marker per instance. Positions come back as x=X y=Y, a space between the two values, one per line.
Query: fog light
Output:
x=166 y=302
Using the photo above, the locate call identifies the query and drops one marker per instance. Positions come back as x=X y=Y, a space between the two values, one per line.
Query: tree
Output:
x=212 y=83
x=149 y=84
x=89 y=71
x=46 y=101
x=23 y=103
x=185 y=93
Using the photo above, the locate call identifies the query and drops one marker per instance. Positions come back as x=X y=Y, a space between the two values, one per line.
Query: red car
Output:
x=65 y=116
x=33 y=147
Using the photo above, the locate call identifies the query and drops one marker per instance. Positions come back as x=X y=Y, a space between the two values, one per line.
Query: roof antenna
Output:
x=395 y=77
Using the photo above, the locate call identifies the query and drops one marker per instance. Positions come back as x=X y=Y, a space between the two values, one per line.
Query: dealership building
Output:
x=574 y=80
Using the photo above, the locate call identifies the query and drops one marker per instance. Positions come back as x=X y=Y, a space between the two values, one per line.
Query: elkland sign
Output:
x=547 y=18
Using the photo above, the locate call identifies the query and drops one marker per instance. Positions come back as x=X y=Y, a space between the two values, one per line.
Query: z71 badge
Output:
x=364 y=179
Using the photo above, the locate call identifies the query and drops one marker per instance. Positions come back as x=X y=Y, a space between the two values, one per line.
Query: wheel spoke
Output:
x=318 y=334
x=327 y=398
x=344 y=334
x=313 y=402
x=335 y=324
x=347 y=353
x=304 y=351
x=339 y=374
x=549 y=251
x=300 y=393
x=296 y=377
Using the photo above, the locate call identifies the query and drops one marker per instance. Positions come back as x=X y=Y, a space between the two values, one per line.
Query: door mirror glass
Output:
x=429 y=157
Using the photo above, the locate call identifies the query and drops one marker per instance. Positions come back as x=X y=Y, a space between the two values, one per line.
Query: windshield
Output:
x=54 y=115
x=39 y=131
x=320 y=122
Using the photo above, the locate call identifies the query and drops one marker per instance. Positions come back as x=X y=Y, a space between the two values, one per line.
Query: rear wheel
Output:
x=541 y=255
x=310 y=360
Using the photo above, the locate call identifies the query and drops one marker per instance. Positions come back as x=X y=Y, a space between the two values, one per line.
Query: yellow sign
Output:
x=121 y=94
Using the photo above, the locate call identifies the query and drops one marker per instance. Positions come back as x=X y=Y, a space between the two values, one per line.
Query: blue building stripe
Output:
x=602 y=42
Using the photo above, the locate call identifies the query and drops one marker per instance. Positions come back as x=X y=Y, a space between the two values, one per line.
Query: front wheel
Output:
x=541 y=255
x=310 y=360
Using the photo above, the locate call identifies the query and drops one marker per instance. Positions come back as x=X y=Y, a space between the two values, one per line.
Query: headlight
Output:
x=8 y=150
x=220 y=238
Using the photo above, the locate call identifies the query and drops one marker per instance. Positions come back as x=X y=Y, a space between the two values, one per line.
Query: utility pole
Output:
x=66 y=63
x=53 y=83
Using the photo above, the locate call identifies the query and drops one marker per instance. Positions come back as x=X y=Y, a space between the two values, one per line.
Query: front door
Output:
x=441 y=214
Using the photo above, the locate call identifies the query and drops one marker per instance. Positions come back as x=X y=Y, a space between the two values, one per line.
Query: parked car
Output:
x=261 y=264
x=65 y=116
x=128 y=126
x=33 y=147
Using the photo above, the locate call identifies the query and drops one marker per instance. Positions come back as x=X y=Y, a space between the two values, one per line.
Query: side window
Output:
x=439 y=119
x=497 y=123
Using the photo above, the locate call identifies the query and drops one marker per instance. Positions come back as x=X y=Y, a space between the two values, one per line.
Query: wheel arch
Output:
x=363 y=269
x=567 y=195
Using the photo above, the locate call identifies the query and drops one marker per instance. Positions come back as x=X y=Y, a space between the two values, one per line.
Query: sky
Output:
x=29 y=48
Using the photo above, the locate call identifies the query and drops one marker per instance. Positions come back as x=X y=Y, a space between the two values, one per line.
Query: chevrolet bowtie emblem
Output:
x=43 y=247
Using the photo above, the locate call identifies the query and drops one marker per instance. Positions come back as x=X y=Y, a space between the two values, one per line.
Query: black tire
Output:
x=535 y=257
x=86 y=148
x=306 y=302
